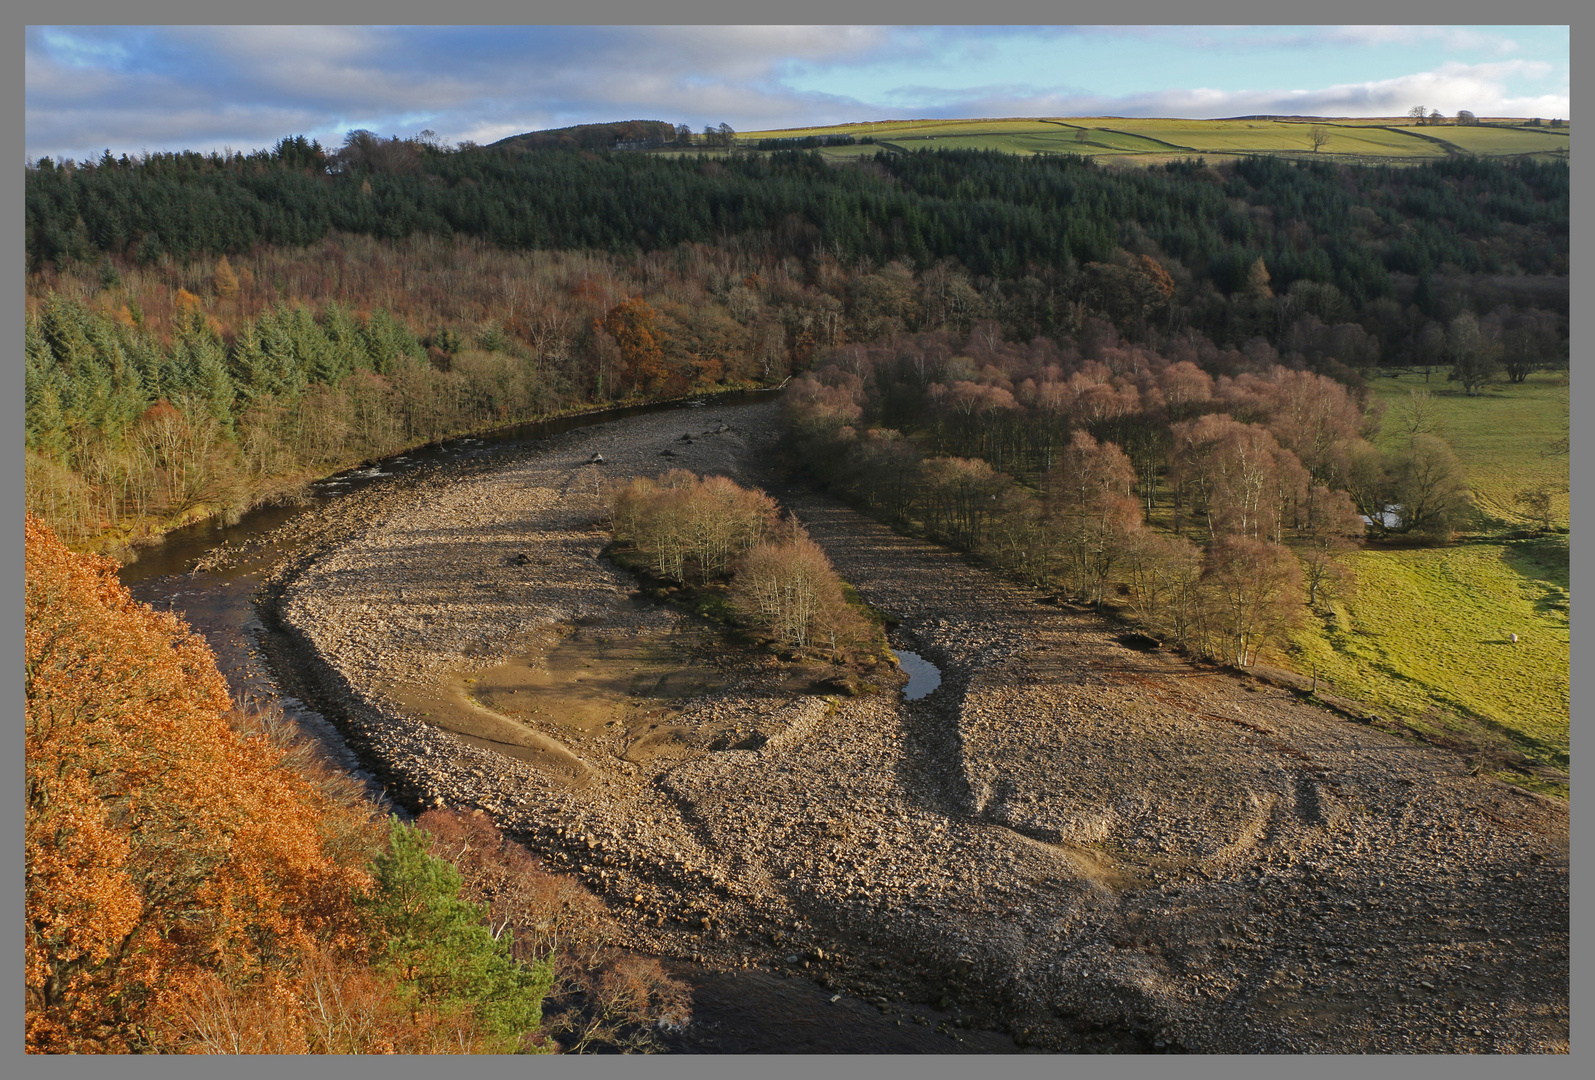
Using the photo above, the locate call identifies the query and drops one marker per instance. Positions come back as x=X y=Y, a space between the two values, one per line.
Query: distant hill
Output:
x=637 y=134
x=1158 y=140
x=1116 y=139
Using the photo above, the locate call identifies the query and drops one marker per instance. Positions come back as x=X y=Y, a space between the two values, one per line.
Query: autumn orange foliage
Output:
x=634 y=327
x=168 y=856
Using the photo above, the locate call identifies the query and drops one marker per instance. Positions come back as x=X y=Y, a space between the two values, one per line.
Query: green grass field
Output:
x=1425 y=638
x=1490 y=140
x=1125 y=139
x=1501 y=436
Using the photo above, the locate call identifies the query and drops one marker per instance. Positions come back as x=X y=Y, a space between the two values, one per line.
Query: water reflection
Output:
x=923 y=676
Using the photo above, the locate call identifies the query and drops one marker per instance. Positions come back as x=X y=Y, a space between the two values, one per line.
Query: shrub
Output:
x=195 y=873
x=789 y=589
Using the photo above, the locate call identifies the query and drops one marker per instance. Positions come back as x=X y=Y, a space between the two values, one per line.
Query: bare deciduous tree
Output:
x=1539 y=504
x=1474 y=353
x=1419 y=415
x=790 y=589
x=1430 y=488
x=1255 y=597
x=1092 y=512
x=1329 y=533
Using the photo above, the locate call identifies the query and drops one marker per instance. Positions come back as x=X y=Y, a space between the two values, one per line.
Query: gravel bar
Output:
x=1090 y=847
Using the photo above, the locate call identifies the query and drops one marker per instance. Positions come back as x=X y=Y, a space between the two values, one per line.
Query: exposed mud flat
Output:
x=1089 y=845
x=608 y=690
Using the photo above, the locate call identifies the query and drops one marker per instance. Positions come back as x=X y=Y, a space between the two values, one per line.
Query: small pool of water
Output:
x=923 y=676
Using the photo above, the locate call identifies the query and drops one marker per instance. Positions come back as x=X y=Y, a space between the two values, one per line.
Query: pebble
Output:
x=1101 y=845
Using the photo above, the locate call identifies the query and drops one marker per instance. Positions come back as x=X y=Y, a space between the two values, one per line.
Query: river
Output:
x=737 y=1012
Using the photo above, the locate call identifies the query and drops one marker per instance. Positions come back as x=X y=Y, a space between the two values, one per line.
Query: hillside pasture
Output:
x=1503 y=436
x=888 y=129
x=1019 y=143
x=1371 y=140
x=1427 y=640
x=1503 y=140
x=1124 y=141
x=1120 y=139
x=1426 y=636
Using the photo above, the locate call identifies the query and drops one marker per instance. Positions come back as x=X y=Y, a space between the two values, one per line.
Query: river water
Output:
x=219 y=604
x=736 y=1012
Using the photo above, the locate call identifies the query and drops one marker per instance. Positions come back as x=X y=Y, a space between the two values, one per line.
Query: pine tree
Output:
x=313 y=353
x=249 y=366
x=43 y=389
x=201 y=363
x=345 y=349
x=440 y=944
x=224 y=281
x=387 y=343
x=280 y=343
x=153 y=364
x=1257 y=280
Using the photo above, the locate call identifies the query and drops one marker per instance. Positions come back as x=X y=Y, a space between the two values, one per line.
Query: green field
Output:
x=1425 y=639
x=1501 y=436
x=1491 y=140
x=1395 y=140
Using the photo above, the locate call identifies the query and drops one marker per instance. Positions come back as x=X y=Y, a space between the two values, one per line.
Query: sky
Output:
x=135 y=88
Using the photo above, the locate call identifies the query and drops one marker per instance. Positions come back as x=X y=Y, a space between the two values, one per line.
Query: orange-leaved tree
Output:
x=163 y=848
x=634 y=326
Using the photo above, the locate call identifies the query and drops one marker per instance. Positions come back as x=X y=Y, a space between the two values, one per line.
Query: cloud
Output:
x=1458 y=38
x=175 y=87
x=205 y=87
x=1247 y=38
x=1480 y=88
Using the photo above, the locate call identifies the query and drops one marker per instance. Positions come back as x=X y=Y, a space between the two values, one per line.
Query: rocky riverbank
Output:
x=1090 y=846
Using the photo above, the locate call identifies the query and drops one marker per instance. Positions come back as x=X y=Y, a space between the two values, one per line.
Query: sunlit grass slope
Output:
x=1503 y=436
x=1427 y=635
x=1121 y=138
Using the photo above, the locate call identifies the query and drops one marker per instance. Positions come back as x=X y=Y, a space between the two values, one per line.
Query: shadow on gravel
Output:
x=755 y=1012
x=930 y=769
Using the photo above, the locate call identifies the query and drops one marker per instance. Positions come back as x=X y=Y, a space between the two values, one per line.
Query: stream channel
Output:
x=735 y=1012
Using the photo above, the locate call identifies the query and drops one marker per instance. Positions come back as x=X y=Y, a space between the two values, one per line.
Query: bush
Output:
x=601 y=998
x=789 y=589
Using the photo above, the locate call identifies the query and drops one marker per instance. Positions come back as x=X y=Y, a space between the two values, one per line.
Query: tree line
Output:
x=995 y=213
x=199 y=880
x=1216 y=507
x=164 y=390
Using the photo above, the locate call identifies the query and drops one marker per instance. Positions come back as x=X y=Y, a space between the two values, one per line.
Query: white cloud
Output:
x=1240 y=38
x=1452 y=37
x=1479 y=88
x=203 y=87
